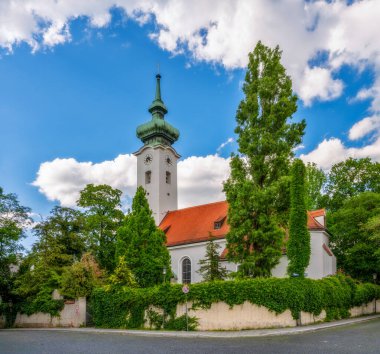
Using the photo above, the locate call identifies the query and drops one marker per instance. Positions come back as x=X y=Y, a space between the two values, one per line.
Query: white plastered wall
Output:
x=321 y=263
x=195 y=252
x=162 y=197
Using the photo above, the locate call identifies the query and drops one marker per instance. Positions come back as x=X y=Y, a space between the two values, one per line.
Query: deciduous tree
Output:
x=258 y=188
x=315 y=183
x=13 y=219
x=61 y=237
x=353 y=236
x=103 y=217
x=351 y=177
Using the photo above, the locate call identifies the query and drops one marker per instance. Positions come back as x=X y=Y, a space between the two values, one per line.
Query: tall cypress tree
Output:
x=298 y=247
x=258 y=188
x=143 y=244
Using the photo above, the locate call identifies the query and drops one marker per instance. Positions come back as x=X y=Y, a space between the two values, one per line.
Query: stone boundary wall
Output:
x=248 y=316
x=2 y=321
x=72 y=315
x=218 y=317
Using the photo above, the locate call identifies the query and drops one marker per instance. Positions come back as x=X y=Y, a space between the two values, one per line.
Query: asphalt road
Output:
x=355 y=338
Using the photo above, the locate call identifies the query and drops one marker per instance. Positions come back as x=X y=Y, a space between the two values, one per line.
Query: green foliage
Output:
x=61 y=242
x=258 y=188
x=61 y=238
x=143 y=244
x=118 y=307
x=349 y=178
x=122 y=275
x=373 y=227
x=298 y=246
x=34 y=287
x=352 y=239
x=13 y=218
x=79 y=279
x=42 y=302
x=210 y=266
x=316 y=181
x=103 y=218
x=182 y=323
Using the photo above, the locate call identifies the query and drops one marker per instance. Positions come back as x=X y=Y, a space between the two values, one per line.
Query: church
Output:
x=188 y=230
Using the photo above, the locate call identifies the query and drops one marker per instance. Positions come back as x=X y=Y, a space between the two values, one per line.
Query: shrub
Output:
x=123 y=307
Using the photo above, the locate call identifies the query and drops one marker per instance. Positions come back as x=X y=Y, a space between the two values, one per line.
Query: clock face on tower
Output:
x=168 y=160
x=148 y=159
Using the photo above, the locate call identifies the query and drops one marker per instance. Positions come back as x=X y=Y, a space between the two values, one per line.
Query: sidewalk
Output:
x=213 y=334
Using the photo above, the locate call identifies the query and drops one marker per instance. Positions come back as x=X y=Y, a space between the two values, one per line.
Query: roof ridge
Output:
x=320 y=209
x=196 y=206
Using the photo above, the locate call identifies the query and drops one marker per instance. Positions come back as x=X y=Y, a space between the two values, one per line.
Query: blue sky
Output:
x=75 y=83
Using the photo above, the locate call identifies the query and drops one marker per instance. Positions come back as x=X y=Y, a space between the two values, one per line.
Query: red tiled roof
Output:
x=312 y=223
x=318 y=212
x=195 y=224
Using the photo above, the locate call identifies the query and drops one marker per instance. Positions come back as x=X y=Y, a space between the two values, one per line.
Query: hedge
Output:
x=122 y=307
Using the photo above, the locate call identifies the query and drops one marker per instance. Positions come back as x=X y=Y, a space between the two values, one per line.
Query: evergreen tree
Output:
x=103 y=218
x=258 y=188
x=122 y=275
x=79 y=279
x=210 y=266
x=298 y=246
x=143 y=244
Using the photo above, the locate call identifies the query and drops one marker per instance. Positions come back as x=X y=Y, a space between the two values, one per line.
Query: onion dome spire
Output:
x=157 y=131
x=158 y=108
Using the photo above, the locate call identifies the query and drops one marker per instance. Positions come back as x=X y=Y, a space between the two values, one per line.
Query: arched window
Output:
x=186 y=271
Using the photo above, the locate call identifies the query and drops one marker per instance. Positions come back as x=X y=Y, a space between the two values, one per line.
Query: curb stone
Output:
x=210 y=334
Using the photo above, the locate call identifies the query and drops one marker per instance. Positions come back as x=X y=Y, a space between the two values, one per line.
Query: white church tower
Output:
x=157 y=159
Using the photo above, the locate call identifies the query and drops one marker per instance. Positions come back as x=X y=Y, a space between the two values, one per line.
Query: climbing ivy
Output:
x=122 y=307
x=298 y=247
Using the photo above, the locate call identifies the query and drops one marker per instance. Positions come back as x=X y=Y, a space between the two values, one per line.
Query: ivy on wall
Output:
x=122 y=307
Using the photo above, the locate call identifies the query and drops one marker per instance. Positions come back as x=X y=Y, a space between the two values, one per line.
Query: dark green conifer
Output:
x=298 y=246
x=143 y=244
x=210 y=267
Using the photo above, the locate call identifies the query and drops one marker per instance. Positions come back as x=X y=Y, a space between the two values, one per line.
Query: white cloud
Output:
x=62 y=179
x=223 y=31
x=332 y=151
x=199 y=178
x=222 y=145
x=372 y=93
x=57 y=33
x=317 y=83
x=364 y=127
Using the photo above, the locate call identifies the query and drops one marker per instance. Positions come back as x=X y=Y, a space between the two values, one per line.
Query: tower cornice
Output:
x=158 y=146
